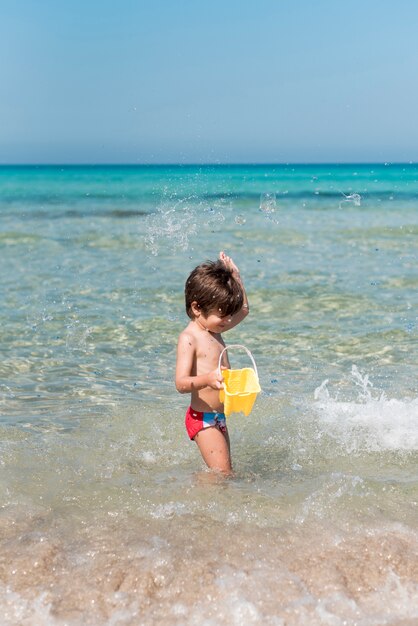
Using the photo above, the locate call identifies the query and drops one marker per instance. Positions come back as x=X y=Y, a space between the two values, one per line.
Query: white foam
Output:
x=16 y=609
x=169 y=510
x=368 y=423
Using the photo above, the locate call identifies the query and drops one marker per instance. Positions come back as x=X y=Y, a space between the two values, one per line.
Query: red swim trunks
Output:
x=196 y=421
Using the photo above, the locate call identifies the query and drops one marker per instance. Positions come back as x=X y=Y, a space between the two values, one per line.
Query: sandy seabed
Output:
x=181 y=571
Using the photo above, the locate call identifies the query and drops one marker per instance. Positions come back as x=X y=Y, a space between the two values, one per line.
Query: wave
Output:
x=305 y=194
x=368 y=424
x=79 y=214
x=25 y=199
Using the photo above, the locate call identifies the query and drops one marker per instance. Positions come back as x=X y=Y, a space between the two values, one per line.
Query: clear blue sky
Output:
x=94 y=81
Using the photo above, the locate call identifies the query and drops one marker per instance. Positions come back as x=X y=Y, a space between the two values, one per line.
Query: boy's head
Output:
x=214 y=289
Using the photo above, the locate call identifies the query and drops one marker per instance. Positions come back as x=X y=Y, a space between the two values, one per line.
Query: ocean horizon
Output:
x=209 y=164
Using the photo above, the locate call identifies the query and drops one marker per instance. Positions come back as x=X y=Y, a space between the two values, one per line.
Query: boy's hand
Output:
x=215 y=380
x=229 y=263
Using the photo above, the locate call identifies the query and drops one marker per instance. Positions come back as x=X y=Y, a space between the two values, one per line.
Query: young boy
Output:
x=215 y=302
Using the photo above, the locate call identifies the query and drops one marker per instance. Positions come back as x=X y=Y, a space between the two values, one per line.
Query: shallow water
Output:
x=108 y=516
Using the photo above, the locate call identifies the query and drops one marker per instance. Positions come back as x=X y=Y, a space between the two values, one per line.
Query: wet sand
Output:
x=178 y=570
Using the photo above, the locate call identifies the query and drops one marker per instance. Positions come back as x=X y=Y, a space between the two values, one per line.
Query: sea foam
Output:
x=372 y=422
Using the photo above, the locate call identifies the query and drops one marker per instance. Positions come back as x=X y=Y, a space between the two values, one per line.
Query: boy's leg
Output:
x=214 y=448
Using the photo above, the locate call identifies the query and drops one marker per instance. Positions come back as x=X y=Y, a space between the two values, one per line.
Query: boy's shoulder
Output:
x=188 y=335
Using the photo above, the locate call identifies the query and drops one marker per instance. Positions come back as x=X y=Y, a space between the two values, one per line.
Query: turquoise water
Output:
x=107 y=513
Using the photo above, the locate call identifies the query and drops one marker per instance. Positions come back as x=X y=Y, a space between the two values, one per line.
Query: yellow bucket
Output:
x=240 y=386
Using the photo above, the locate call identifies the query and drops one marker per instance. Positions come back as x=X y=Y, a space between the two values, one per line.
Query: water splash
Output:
x=321 y=392
x=240 y=219
x=171 y=227
x=39 y=318
x=371 y=421
x=268 y=203
x=353 y=198
x=363 y=383
x=176 y=223
x=77 y=336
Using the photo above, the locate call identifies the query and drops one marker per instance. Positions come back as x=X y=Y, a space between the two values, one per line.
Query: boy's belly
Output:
x=207 y=400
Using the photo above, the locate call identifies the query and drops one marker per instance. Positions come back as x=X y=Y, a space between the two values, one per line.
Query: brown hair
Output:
x=213 y=286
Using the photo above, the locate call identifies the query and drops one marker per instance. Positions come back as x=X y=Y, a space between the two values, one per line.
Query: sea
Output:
x=108 y=515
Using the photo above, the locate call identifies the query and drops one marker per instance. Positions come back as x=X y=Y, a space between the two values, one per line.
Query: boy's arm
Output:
x=185 y=382
x=245 y=309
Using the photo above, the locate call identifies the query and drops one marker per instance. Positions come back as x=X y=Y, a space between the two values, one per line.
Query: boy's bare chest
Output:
x=208 y=351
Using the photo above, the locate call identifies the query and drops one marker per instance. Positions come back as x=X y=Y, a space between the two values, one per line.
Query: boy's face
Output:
x=213 y=321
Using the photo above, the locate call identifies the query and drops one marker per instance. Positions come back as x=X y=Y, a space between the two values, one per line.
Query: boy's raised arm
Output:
x=245 y=309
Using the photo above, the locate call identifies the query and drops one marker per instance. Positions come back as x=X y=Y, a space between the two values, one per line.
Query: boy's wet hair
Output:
x=215 y=290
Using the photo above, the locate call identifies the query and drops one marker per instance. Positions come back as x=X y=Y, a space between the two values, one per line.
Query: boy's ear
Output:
x=195 y=309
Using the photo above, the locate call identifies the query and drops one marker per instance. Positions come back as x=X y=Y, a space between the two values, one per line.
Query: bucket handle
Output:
x=237 y=345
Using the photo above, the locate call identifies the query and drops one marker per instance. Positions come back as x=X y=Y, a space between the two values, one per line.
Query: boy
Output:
x=215 y=302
